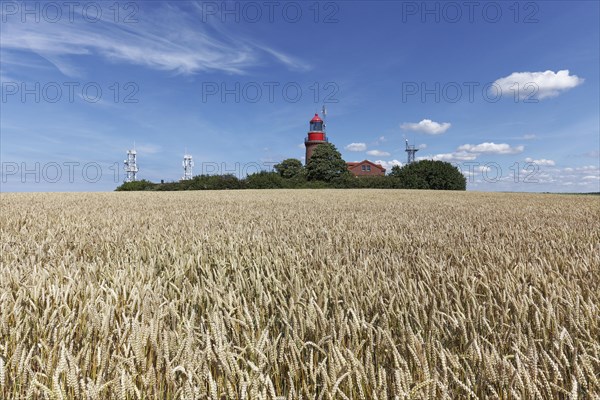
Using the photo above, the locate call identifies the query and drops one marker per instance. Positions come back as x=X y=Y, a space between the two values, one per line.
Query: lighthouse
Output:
x=316 y=136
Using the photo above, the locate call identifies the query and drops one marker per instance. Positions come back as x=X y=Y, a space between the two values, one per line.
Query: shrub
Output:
x=213 y=182
x=136 y=185
x=264 y=180
x=429 y=174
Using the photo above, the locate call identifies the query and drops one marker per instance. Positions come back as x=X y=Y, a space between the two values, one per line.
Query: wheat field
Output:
x=299 y=294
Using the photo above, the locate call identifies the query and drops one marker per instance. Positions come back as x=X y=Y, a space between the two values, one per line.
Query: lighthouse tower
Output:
x=316 y=136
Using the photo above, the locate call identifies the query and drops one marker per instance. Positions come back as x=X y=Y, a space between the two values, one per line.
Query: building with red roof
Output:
x=365 y=168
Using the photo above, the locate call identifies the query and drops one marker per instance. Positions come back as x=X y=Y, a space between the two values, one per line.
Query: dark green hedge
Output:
x=426 y=174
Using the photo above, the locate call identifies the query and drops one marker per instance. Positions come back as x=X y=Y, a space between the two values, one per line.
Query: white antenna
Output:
x=324 y=113
x=188 y=164
x=131 y=168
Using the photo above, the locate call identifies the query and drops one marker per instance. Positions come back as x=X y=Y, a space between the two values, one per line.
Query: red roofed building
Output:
x=365 y=168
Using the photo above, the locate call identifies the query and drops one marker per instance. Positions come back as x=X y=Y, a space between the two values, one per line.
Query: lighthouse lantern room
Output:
x=316 y=136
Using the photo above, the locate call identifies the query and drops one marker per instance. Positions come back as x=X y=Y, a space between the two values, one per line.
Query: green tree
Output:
x=326 y=164
x=429 y=174
x=289 y=168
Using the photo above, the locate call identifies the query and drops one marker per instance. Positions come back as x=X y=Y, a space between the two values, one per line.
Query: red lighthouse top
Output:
x=317 y=132
x=316 y=118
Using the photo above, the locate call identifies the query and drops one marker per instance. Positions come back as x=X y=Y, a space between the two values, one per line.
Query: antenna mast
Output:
x=188 y=164
x=410 y=150
x=324 y=114
x=131 y=168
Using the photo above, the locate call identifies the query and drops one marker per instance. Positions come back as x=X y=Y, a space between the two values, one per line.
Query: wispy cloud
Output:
x=380 y=140
x=147 y=148
x=166 y=37
x=292 y=62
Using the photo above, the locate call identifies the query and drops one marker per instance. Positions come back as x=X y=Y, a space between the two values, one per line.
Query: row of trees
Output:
x=325 y=169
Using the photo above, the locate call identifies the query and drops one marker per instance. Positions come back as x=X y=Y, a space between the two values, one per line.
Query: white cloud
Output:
x=356 y=147
x=452 y=157
x=541 y=161
x=292 y=62
x=586 y=168
x=478 y=170
x=587 y=176
x=150 y=42
x=422 y=146
x=380 y=140
x=470 y=152
x=491 y=148
x=378 y=153
x=388 y=164
x=590 y=168
x=538 y=85
x=426 y=126
x=529 y=136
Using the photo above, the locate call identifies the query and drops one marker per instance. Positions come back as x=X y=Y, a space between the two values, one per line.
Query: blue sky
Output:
x=507 y=91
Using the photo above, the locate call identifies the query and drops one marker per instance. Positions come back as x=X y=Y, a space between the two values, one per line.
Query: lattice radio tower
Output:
x=188 y=164
x=131 y=168
x=410 y=150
